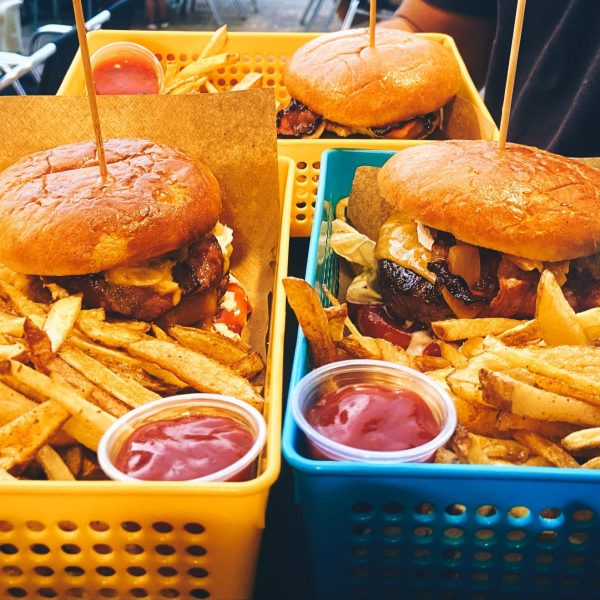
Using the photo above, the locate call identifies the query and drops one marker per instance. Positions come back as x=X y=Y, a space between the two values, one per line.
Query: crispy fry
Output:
x=129 y=392
x=210 y=88
x=19 y=301
x=205 y=65
x=453 y=330
x=582 y=440
x=214 y=345
x=61 y=319
x=94 y=417
x=21 y=439
x=12 y=404
x=452 y=355
x=187 y=87
x=517 y=397
x=593 y=463
x=159 y=333
x=464 y=381
x=53 y=465
x=170 y=72
x=555 y=317
x=248 y=82
x=11 y=324
x=311 y=316
x=249 y=366
x=445 y=456
x=429 y=363
x=507 y=421
x=73 y=458
x=522 y=358
x=16 y=351
x=478 y=449
x=549 y=450
x=478 y=418
x=521 y=334
x=115 y=335
x=336 y=316
x=199 y=371
x=216 y=43
x=392 y=353
x=359 y=350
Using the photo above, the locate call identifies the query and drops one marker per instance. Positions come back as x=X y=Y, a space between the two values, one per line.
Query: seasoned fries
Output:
x=66 y=374
x=526 y=392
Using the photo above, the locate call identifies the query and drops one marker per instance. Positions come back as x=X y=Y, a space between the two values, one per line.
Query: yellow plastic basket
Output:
x=102 y=539
x=266 y=53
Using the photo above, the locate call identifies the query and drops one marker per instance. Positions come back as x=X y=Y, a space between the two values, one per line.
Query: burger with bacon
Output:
x=472 y=227
x=339 y=84
x=145 y=242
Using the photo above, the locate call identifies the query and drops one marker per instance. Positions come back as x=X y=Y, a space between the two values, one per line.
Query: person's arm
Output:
x=473 y=33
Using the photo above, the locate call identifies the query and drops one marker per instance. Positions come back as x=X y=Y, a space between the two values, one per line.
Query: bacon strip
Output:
x=297 y=120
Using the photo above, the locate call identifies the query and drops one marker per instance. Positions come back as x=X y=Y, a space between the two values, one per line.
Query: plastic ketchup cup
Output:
x=126 y=68
x=191 y=438
x=372 y=411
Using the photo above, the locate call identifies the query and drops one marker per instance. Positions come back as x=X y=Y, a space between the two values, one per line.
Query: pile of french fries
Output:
x=67 y=374
x=198 y=76
x=526 y=392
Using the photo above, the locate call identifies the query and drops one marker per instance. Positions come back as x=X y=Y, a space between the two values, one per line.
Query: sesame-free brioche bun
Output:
x=339 y=76
x=60 y=218
x=520 y=200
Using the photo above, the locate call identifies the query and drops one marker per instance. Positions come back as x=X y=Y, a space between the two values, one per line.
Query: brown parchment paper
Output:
x=231 y=133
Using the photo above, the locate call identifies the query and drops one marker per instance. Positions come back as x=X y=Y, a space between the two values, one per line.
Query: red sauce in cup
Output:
x=125 y=74
x=185 y=448
x=372 y=417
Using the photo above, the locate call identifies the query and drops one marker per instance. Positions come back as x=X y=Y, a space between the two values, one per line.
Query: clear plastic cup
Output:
x=385 y=374
x=182 y=406
x=122 y=50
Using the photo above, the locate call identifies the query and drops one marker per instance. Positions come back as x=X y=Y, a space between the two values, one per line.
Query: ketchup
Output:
x=373 y=417
x=185 y=448
x=373 y=320
x=125 y=74
x=235 y=309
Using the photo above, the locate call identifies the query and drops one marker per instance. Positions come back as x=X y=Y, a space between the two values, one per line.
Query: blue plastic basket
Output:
x=428 y=530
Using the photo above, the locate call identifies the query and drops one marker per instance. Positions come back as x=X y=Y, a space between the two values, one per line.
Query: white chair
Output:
x=10 y=26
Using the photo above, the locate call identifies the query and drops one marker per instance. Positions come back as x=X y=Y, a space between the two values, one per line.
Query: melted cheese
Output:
x=154 y=274
x=559 y=269
x=399 y=242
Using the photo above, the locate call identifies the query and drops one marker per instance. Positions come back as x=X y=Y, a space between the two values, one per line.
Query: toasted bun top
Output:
x=340 y=77
x=60 y=218
x=521 y=200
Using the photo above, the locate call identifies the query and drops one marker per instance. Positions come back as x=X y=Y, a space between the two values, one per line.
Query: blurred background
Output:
x=38 y=41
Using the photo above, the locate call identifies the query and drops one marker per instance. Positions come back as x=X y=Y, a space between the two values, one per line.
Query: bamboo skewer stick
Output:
x=372 y=22
x=512 y=70
x=89 y=84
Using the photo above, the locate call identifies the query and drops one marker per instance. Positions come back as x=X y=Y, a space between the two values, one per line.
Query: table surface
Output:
x=284 y=563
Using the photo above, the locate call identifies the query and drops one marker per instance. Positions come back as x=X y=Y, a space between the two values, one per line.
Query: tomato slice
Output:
x=234 y=312
x=373 y=320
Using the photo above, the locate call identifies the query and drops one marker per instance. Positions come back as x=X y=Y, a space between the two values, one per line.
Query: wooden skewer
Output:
x=372 y=22
x=89 y=84
x=512 y=70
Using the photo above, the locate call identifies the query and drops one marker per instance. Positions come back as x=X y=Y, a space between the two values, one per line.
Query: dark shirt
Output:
x=557 y=87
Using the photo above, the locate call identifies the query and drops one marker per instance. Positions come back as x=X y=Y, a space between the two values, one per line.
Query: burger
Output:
x=472 y=227
x=338 y=83
x=144 y=242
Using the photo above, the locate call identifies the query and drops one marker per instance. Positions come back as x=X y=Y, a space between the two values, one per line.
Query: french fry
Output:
x=555 y=317
x=583 y=439
x=201 y=372
x=248 y=82
x=478 y=449
x=115 y=335
x=12 y=404
x=453 y=330
x=205 y=65
x=590 y=321
x=522 y=358
x=521 y=334
x=452 y=355
x=216 y=43
x=214 y=345
x=464 y=381
x=73 y=458
x=6 y=476
x=61 y=319
x=20 y=302
x=210 y=88
x=472 y=347
x=53 y=465
x=357 y=349
x=445 y=456
x=478 y=418
x=12 y=351
x=249 y=366
x=11 y=324
x=429 y=363
x=593 y=463
x=21 y=439
x=392 y=353
x=336 y=317
x=159 y=333
x=549 y=450
x=94 y=417
x=187 y=87
x=311 y=316
x=170 y=72
x=517 y=397
x=129 y=392
x=506 y=422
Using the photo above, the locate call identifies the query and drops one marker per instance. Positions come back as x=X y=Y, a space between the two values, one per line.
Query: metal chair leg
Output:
x=314 y=15
x=215 y=12
x=241 y=12
x=331 y=16
x=349 y=18
x=306 y=12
